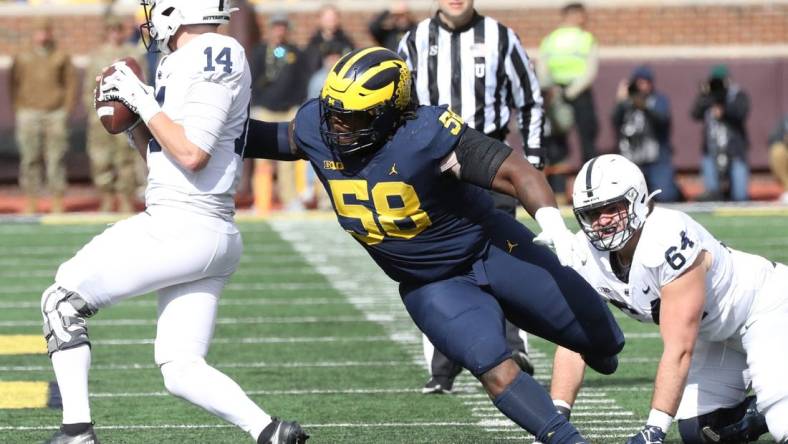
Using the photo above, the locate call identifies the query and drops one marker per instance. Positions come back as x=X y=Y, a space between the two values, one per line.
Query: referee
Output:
x=478 y=67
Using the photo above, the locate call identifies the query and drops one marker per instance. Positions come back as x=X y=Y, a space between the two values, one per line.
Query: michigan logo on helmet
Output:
x=364 y=99
x=603 y=182
x=163 y=18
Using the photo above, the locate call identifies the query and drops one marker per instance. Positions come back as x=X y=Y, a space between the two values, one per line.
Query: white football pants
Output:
x=721 y=372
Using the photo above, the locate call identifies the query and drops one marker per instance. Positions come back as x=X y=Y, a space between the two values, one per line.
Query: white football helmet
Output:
x=164 y=17
x=606 y=180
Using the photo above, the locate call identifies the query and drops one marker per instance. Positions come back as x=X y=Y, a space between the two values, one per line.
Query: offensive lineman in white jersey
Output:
x=722 y=313
x=185 y=245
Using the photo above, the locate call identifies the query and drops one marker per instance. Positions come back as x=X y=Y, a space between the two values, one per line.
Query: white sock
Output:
x=203 y=385
x=71 y=370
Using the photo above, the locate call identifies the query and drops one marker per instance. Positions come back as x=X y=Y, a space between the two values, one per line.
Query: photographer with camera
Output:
x=641 y=119
x=723 y=107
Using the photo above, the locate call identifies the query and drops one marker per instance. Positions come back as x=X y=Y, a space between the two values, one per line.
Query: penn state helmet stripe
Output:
x=589 y=190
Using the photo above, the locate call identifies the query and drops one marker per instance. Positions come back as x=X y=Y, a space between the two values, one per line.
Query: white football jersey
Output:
x=668 y=246
x=210 y=191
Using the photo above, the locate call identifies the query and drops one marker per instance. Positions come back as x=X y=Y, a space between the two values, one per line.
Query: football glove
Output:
x=123 y=85
x=555 y=235
x=649 y=435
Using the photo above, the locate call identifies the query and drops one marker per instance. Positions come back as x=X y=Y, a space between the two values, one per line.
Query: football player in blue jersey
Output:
x=407 y=183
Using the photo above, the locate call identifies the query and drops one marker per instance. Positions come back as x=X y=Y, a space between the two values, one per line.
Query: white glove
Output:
x=125 y=86
x=555 y=235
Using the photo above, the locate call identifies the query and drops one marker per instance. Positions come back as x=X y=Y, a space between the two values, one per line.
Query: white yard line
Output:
x=152 y=366
x=321 y=245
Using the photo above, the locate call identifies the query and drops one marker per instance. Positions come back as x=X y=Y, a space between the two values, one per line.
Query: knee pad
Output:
x=64 y=314
x=484 y=354
x=177 y=373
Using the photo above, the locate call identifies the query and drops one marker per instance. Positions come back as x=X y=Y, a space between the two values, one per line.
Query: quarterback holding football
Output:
x=722 y=313
x=185 y=246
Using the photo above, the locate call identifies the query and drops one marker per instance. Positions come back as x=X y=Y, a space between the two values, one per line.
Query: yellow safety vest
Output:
x=566 y=50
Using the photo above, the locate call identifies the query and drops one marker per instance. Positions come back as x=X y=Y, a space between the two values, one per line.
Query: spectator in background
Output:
x=388 y=28
x=568 y=57
x=278 y=86
x=112 y=164
x=723 y=107
x=778 y=155
x=559 y=120
x=641 y=120
x=332 y=53
x=42 y=91
x=329 y=32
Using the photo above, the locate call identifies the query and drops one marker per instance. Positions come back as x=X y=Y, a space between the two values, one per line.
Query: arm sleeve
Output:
x=269 y=140
x=526 y=95
x=480 y=157
x=205 y=113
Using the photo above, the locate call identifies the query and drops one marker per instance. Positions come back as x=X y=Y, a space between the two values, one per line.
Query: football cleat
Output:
x=748 y=429
x=438 y=385
x=282 y=432
x=86 y=437
x=521 y=359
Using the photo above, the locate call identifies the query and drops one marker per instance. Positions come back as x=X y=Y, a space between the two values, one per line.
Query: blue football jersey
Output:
x=418 y=224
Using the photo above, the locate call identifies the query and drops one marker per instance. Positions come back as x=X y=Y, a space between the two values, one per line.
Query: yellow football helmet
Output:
x=364 y=99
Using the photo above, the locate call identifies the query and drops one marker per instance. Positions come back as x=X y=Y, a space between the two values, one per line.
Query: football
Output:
x=114 y=115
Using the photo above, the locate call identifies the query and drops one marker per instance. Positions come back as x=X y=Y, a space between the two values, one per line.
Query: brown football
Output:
x=114 y=115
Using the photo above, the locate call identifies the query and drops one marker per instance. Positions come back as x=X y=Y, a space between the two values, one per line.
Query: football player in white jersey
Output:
x=185 y=246
x=722 y=313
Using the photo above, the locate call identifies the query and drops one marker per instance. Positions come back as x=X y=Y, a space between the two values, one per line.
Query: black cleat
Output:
x=86 y=437
x=521 y=359
x=282 y=432
x=438 y=385
x=748 y=429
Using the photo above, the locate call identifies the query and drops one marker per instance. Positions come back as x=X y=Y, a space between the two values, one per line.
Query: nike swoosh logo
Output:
x=647 y=290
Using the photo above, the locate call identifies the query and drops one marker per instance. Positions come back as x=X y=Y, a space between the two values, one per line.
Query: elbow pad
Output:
x=480 y=157
x=268 y=140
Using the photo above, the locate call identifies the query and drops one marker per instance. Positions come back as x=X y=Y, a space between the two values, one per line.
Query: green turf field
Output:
x=314 y=332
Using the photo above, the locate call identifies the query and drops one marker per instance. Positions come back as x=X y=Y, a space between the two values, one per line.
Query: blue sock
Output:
x=526 y=403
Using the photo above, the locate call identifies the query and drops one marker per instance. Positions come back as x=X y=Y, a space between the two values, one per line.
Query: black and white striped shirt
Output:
x=479 y=70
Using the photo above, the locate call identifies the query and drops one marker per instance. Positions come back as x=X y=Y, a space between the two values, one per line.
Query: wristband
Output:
x=563 y=408
x=659 y=419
